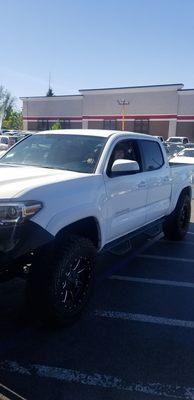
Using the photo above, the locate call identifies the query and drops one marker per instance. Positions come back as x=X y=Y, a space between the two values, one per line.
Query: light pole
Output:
x=27 y=111
x=123 y=103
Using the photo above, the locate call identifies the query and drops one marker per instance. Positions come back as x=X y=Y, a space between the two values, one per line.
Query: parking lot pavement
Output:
x=135 y=342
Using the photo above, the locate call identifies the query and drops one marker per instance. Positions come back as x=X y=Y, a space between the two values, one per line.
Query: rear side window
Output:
x=152 y=155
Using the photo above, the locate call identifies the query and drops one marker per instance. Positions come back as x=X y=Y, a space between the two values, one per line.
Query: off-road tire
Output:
x=59 y=285
x=176 y=224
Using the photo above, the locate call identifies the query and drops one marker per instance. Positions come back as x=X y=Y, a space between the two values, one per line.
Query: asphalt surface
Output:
x=136 y=341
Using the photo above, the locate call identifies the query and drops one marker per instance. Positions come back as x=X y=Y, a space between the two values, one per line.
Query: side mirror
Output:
x=125 y=166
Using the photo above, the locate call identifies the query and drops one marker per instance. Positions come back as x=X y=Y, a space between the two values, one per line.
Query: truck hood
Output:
x=17 y=180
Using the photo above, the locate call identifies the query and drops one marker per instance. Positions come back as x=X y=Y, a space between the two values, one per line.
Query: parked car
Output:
x=10 y=140
x=4 y=139
x=3 y=146
x=189 y=145
x=72 y=193
x=4 y=142
x=185 y=156
x=178 y=139
x=172 y=148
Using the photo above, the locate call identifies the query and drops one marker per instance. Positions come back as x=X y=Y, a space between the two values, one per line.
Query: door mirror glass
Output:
x=125 y=166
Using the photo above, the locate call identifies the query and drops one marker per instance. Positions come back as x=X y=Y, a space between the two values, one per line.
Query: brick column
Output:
x=172 y=127
x=25 y=124
x=84 y=124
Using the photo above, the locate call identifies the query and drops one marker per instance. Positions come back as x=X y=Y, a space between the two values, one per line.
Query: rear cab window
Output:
x=152 y=155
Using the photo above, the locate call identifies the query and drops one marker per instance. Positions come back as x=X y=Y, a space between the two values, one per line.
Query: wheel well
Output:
x=87 y=227
x=187 y=190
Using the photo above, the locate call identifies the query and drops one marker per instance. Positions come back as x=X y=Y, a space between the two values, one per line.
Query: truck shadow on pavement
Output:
x=93 y=345
x=12 y=293
x=13 y=312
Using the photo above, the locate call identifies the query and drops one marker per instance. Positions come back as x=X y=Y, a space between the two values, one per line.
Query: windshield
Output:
x=60 y=151
x=174 y=140
x=186 y=153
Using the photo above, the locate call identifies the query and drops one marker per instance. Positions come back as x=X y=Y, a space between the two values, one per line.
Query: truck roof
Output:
x=97 y=132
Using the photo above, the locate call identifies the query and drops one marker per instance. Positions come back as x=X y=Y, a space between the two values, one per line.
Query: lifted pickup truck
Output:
x=66 y=195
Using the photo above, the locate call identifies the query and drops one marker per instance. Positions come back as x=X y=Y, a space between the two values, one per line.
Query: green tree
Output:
x=7 y=102
x=56 y=125
x=14 y=120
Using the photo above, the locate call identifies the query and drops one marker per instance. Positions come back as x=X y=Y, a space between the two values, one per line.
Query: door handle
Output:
x=142 y=185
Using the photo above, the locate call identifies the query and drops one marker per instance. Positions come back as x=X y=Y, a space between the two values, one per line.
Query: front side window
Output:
x=59 y=151
x=152 y=155
x=125 y=150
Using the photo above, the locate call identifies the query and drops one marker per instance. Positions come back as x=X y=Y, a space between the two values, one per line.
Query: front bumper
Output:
x=19 y=240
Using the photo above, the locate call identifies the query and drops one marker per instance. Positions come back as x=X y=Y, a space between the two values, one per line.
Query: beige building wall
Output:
x=186 y=102
x=159 y=128
x=56 y=106
x=185 y=119
x=141 y=101
x=95 y=124
x=186 y=129
x=163 y=110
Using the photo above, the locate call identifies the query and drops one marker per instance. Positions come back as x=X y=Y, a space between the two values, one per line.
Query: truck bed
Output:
x=175 y=165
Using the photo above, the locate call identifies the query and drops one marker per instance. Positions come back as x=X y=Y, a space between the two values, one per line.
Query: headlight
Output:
x=16 y=212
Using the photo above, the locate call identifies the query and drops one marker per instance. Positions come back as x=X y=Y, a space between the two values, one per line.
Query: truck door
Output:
x=157 y=176
x=127 y=194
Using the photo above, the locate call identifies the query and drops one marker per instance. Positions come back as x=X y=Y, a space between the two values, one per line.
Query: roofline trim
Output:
x=133 y=87
x=50 y=97
x=112 y=117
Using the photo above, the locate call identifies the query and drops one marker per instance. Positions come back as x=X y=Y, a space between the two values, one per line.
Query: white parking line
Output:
x=152 y=281
x=155 y=257
x=2 y=397
x=100 y=380
x=190 y=233
x=144 y=318
x=9 y=392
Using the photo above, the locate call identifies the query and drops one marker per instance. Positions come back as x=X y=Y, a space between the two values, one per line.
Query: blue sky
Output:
x=91 y=44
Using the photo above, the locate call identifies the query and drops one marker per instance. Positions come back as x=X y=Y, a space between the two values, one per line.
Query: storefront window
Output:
x=43 y=125
x=65 y=124
x=110 y=124
x=141 y=125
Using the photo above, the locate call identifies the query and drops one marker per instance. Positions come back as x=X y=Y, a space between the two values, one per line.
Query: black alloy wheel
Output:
x=74 y=283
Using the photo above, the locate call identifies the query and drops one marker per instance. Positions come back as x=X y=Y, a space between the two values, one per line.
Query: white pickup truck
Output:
x=66 y=195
